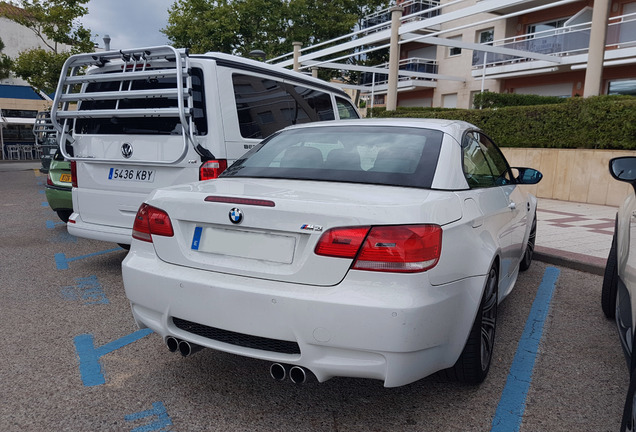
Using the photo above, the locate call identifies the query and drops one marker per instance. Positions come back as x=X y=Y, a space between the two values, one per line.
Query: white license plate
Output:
x=132 y=174
x=244 y=244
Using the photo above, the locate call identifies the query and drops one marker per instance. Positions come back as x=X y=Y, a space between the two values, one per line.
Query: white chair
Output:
x=13 y=152
x=27 y=151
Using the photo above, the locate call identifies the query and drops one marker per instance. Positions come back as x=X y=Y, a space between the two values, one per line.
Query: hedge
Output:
x=500 y=100
x=601 y=122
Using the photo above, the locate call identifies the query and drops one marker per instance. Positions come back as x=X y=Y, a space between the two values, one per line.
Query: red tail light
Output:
x=151 y=221
x=403 y=248
x=74 y=174
x=48 y=179
x=212 y=169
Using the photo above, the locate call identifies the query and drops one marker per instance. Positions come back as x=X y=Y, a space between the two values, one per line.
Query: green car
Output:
x=58 y=187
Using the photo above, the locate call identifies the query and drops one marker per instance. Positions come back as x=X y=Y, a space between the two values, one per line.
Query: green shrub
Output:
x=603 y=122
x=500 y=100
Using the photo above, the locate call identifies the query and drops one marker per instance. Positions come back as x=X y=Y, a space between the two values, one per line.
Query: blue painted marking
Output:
x=52 y=224
x=41 y=191
x=159 y=410
x=196 y=239
x=512 y=404
x=90 y=368
x=110 y=174
x=64 y=237
x=45 y=204
x=87 y=289
x=62 y=262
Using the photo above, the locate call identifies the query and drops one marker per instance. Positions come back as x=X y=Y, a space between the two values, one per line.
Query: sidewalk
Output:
x=574 y=235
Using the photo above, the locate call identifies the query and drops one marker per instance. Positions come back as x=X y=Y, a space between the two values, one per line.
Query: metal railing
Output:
x=414 y=64
x=562 y=41
x=417 y=8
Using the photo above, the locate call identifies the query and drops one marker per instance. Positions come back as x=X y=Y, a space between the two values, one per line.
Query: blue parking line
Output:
x=512 y=404
x=89 y=365
x=61 y=262
x=45 y=204
x=158 y=410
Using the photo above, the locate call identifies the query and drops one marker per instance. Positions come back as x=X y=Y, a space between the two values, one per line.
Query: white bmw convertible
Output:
x=362 y=248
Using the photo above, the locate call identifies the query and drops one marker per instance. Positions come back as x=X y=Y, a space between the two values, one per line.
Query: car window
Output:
x=265 y=105
x=346 y=109
x=399 y=156
x=484 y=164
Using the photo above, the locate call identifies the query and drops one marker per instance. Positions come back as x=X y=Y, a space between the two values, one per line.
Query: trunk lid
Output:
x=275 y=239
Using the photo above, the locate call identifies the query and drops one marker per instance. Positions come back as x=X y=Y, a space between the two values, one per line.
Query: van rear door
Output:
x=130 y=124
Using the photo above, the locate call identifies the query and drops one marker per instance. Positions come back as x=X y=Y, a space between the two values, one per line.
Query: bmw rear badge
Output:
x=236 y=216
x=126 y=150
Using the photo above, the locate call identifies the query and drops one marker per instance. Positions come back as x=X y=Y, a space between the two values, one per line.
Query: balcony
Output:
x=414 y=10
x=571 y=43
x=411 y=65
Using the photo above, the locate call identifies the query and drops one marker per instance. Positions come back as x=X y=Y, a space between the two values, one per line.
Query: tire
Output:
x=610 y=281
x=474 y=362
x=124 y=246
x=64 y=215
x=532 y=238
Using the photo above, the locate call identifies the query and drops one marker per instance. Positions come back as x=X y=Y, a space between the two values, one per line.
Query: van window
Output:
x=142 y=125
x=265 y=106
x=346 y=110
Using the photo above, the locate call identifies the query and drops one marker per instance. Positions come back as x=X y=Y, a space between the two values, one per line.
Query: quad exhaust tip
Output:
x=296 y=374
x=184 y=347
x=172 y=344
x=187 y=348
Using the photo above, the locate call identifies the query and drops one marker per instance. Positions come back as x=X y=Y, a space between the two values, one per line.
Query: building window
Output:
x=452 y=51
x=486 y=36
x=545 y=27
x=622 y=87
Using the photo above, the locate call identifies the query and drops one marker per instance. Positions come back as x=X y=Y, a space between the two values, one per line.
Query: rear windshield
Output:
x=142 y=125
x=387 y=155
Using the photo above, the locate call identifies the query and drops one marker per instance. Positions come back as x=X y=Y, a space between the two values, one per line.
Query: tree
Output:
x=55 y=23
x=5 y=63
x=240 y=26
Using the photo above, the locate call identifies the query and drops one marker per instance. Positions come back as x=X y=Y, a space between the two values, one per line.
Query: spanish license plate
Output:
x=131 y=174
x=65 y=178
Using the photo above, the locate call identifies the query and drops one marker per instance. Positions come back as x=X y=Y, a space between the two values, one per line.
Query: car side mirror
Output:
x=624 y=169
x=527 y=176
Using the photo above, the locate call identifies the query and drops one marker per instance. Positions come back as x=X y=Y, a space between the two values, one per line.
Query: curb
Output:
x=572 y=260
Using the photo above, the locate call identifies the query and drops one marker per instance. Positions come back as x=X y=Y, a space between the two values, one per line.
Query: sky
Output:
x=129 y=23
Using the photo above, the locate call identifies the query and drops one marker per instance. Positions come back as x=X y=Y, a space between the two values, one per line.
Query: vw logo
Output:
x=236 y=216
x=126 y=150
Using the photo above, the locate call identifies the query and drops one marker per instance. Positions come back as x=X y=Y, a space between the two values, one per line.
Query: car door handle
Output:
x=512 y=206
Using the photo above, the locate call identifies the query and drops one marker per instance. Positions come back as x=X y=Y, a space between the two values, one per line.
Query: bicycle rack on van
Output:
x=80 y=70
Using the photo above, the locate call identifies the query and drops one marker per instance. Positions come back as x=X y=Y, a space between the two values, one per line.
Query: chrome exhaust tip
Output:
x=172 y=344
x=297 y=375
x=186 y=348
x=278 y=371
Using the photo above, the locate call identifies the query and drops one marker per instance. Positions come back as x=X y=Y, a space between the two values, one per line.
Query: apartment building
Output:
x=450 y=50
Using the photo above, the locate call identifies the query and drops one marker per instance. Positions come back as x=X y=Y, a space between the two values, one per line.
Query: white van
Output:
x=134 y=120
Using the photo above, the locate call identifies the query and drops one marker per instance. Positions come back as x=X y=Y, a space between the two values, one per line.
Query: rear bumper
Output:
x=366 y=326
x=77 y=227
x=59 y=198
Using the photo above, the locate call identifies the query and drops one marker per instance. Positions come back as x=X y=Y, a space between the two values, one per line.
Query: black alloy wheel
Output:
x=474 y=362
x=610 y=280
x=532 y=238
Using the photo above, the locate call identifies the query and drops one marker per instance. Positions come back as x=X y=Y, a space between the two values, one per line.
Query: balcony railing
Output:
x=414 y=64
x=562 y=41
x=417 y=8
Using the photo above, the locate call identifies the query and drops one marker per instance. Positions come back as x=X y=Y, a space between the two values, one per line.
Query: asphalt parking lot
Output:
x=72 y=358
